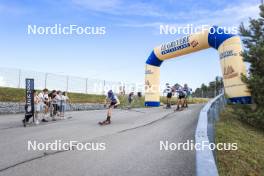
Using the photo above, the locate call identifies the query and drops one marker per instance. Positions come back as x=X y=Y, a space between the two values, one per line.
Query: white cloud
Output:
x=14 y=10
x=120 y=7
x=139 y=25
x=229 y=16
x=99 y=5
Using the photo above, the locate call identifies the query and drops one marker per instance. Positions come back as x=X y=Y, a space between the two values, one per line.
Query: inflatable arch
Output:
x=229 y=48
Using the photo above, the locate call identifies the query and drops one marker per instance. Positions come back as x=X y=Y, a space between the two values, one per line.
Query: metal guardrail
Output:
x=205 y=158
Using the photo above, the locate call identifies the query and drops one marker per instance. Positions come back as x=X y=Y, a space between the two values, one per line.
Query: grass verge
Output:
x=18 y=95
x=248 y=160
x=190 y=100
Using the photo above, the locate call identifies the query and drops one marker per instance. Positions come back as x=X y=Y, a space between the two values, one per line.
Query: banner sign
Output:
x=30 y=96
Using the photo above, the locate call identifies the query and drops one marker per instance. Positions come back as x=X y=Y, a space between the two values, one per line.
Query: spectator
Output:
x=65 y=100
x=53 y=104
x=43 y=97
x=58 y=99
x=28 y=115
x=37 y=104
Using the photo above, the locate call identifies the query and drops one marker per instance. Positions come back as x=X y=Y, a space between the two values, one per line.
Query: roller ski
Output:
x=168 y=107
x=106 y=122
x=185 y=106
x=178 y=109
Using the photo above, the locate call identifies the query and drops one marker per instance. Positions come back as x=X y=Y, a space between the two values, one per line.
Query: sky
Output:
x=132 y=31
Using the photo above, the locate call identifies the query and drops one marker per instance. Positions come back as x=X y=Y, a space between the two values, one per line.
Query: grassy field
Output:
x=18 y=95
x=191 y=100
x=248 y=160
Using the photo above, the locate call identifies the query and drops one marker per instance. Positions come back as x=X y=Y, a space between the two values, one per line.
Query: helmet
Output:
x=110 y=93
x=177 y=85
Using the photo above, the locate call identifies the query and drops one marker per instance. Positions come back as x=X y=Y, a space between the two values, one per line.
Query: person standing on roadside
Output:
x=53 y=104
x=65 y=101
x=43 y=96
x=37 y=104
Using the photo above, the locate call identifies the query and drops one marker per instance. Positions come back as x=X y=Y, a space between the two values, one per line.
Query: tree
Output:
x=253 y=39
x=219 y=84
x=213 y=89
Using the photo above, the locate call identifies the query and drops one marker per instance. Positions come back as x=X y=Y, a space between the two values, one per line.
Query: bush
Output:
x=250 y=115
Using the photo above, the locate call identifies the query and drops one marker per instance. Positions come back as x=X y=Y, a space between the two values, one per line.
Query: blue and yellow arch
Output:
x=229 y=48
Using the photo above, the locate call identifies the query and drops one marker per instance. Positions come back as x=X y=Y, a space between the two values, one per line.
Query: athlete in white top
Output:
x=168 y=91
x=37 y=102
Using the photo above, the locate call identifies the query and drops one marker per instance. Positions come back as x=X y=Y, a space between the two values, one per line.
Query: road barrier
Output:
x=205 y=158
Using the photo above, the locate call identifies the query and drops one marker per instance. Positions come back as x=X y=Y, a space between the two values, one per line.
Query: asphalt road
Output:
x=132 y=144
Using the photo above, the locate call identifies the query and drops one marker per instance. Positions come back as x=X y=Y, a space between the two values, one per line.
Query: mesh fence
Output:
x=15 y=78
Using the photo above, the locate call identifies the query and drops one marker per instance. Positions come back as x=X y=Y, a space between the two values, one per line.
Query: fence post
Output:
x=67 y=83
x=19 y=78
x=45 y=81
x=104 y=88
x=86 y=85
